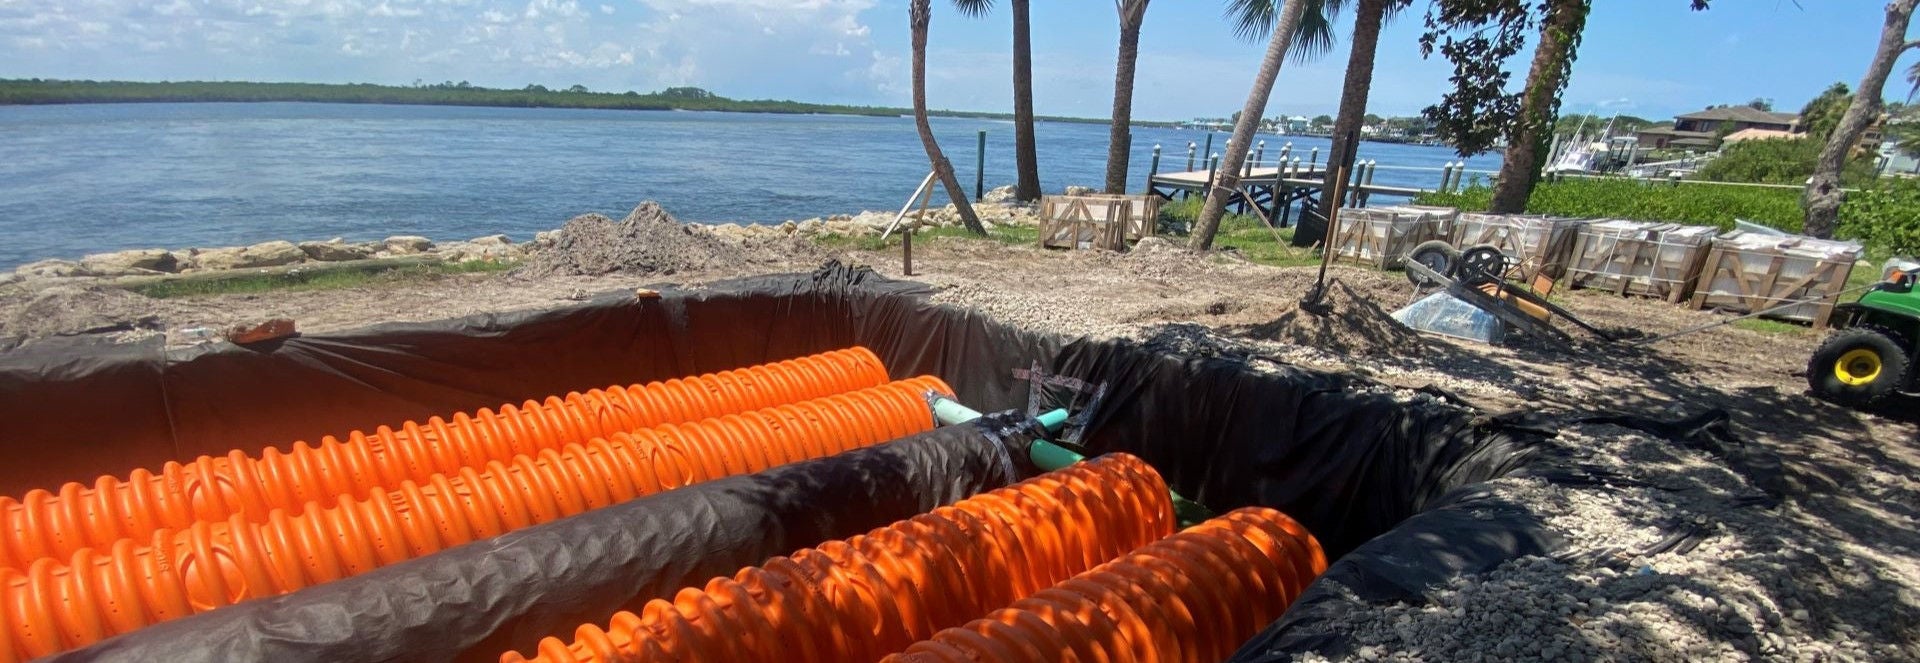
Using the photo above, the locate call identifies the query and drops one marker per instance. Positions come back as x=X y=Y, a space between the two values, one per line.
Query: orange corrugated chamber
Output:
x=867 y=596
x=1193 y=597
x=56 y=524
x=174 y=573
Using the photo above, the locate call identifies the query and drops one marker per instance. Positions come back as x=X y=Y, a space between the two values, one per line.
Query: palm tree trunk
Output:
x=1552 y=60
x=1822 y=198
x=1228 y=177
x=1368 y=17
x=919 y=14
x=1025 y=155
x=1120 y=135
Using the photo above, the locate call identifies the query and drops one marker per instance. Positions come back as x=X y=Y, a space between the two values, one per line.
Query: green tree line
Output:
x=51 y=91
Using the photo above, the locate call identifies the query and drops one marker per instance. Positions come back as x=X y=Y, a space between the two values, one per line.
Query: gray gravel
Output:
x=1763 y=584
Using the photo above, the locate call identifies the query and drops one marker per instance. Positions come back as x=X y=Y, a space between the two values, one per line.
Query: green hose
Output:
x=1049 y=456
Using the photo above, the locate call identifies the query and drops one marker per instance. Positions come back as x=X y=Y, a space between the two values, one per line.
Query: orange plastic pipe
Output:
x=51 y=608
x=1193 y=597
x=858 y=599
x=55 y=524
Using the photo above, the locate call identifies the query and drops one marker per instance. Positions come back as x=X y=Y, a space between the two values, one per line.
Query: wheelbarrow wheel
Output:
x=1435 y=254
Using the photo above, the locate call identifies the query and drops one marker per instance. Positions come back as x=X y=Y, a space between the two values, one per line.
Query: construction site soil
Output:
x=1824 y=566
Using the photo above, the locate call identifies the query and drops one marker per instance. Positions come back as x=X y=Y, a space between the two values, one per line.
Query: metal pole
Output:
x=979 y=171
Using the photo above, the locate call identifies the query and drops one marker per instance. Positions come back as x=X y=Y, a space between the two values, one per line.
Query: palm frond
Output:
x=1252 y=20
x=973 y=8
x=1314 y=37
x=1913 y=76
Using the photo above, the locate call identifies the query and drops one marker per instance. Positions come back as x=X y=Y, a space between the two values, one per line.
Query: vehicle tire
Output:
x=1859 y=367
x=1434 y=254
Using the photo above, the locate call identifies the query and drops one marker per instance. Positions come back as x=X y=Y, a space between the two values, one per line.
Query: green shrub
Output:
x=1777 y=161
x=1885 y=217
x=1698 y=204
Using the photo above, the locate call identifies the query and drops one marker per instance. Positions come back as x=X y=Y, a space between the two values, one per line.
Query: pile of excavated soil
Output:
x=1346 y=323
x=649 y=241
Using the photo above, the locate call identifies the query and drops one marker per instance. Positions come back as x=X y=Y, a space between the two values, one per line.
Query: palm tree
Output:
x=919 y=15
x=1823 y=195
x=1253 y=16
x=1229 y=171
x=1527 y=144
x=1026 y=156
x=1120 y=135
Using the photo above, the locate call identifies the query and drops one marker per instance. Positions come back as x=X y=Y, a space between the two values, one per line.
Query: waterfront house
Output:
x=1702 y=130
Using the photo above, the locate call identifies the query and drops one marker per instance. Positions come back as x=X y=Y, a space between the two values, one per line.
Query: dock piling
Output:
x=1155 y=168
x=1189 y=156
x=1313 y=158
x=979 y=170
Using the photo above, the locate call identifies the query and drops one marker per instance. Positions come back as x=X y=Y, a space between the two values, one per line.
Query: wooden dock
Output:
x=1275 y=190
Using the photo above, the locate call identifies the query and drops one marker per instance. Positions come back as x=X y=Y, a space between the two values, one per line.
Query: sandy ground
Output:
x=1831 y=573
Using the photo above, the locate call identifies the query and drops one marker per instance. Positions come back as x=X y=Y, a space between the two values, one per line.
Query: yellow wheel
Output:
x=1859 y=367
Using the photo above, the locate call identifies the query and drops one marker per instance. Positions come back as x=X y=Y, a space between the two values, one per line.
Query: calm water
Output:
x=90 y=178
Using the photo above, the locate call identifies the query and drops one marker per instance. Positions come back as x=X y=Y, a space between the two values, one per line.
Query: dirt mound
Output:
x=649 y=241
x=1349 y=325
x=68 y=310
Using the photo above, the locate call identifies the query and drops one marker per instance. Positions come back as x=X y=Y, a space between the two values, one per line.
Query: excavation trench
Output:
x=1383 y=478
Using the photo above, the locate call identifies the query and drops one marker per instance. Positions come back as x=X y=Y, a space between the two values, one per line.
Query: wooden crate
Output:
x=1540 y=245
x=1382 y=237
x=1085 y=222
x=1444 y=218
x=1750 y=272
x=1144 y=218
x=1644 y=258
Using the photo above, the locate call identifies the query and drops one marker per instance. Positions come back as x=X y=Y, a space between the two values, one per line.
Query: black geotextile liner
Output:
x=1349 y=459
x=475 y=601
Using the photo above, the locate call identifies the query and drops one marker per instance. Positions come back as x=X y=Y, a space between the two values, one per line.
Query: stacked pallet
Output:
x=1096 y=221
x=1644 y=258
x=1751 y=272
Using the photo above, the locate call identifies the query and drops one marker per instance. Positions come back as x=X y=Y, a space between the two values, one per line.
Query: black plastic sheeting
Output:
x=1349 y=459
x=475 y=601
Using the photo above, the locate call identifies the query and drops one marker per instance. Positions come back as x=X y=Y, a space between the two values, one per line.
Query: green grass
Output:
x=1245 y=233
x=1772 y=327
x=295 y=281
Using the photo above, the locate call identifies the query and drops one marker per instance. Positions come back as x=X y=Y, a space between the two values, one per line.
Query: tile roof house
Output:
x=1701 y=130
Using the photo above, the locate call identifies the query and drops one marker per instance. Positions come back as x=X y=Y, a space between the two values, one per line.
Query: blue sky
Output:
x=1646 y=57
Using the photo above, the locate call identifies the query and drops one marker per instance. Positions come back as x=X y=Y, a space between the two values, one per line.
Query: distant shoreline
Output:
x=39 y=92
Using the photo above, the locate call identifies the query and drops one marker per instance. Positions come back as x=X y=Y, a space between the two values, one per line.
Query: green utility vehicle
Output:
x=1871 y=356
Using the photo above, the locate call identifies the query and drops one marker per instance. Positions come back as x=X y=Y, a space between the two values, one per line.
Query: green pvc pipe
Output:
x=1049 y=456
